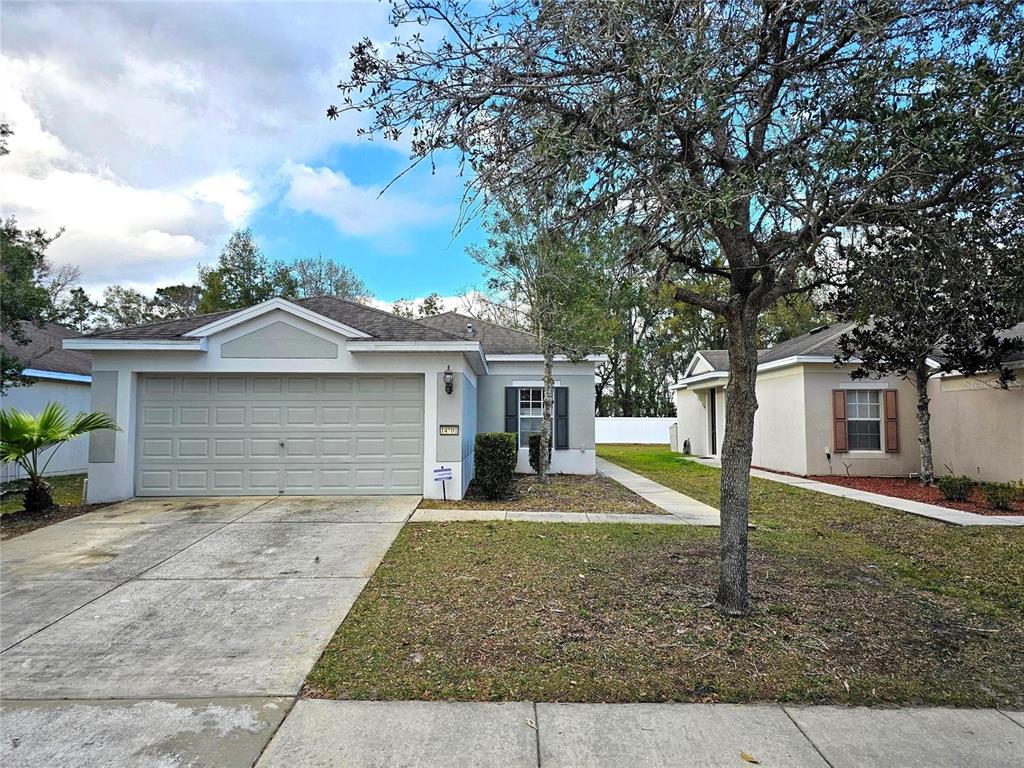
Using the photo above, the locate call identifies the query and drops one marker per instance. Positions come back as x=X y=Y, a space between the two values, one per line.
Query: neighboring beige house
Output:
x=814 y=419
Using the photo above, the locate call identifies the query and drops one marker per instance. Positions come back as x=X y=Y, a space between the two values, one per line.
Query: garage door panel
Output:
x=267 y=385
x=157 y=416
x=193 y=448
x=198 y=385
x=223 y=434
x=228 y=417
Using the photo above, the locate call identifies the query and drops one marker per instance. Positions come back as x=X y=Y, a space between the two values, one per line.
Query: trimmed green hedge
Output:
x=998 y=495
x=495 y=462
x=956 y=487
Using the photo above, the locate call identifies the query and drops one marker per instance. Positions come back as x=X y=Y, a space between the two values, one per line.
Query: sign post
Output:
x=440 y=475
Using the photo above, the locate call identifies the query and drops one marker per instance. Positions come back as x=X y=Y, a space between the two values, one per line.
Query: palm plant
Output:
x=25 y=437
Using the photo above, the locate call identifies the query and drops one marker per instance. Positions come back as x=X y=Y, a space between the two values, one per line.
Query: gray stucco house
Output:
x=320 y=396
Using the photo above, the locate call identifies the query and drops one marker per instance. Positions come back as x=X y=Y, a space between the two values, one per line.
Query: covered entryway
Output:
x=270 y=434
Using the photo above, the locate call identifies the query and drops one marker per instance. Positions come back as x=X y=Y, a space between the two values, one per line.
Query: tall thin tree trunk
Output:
x=740 y=406
x=924 y=432
x=545 y=426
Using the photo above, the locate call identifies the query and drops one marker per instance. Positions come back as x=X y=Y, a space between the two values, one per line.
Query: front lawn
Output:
x=562 y=493
x=854 y=604
x=67 y=493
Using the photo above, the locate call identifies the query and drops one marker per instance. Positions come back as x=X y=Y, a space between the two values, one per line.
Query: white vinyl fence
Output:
x=633 y=429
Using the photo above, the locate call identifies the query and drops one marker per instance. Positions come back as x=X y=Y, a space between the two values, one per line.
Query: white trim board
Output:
x=531 y=358
x=85 y=343
x=36 y=373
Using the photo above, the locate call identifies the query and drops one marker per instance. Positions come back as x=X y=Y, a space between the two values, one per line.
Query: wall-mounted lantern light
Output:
x=449 y=380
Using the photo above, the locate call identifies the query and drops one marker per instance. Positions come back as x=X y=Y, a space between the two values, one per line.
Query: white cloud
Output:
x=149 y=131
x=356 y=210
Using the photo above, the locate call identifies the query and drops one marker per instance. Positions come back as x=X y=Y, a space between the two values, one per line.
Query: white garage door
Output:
x=229 y=435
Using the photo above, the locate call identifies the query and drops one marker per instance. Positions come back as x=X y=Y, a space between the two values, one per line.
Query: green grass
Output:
x=853 y=604
x=982 y=565
x=67 y=490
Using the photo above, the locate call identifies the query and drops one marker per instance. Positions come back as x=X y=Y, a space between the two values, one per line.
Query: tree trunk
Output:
x=545 y=425
x=924 y=432
x=737 y=449
x=37 y=497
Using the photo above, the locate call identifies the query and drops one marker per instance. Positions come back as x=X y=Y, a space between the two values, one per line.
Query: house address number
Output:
x=449 y=429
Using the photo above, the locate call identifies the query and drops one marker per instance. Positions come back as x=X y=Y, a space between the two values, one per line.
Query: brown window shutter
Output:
x=840 y=439
x=892 y=422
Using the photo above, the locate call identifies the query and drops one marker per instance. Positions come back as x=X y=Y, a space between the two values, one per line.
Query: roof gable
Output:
x=258 y=310
x=367 y=321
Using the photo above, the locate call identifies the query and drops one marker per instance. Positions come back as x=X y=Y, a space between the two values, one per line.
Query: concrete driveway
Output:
x=176 y=632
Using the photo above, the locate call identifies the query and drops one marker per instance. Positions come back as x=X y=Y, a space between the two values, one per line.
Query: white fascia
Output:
x=36 y=373
x=693 y=361
x=269 y=306
x=698 y=379
x=540 y=359
x=86 y=344
x=471 y=349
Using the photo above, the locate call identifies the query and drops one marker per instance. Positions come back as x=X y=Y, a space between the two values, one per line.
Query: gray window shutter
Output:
x=511 y=409
x=561 y=418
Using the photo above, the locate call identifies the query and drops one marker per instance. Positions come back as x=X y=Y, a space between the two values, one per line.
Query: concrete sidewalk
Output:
x=919 y=508
x=412 y=734
x=683 y=507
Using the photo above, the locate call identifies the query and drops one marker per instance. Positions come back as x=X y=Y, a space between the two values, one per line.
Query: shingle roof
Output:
x=823 y=341
x=379 y=324
x=718 y=359
x=820 y=341
x=45 y=350
x=495 y=339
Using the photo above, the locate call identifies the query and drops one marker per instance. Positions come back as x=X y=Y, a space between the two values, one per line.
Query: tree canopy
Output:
x=743 y=141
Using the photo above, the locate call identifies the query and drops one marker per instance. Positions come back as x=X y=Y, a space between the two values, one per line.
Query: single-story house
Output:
x=320 y=396
x=56 y=375
x=814 y=419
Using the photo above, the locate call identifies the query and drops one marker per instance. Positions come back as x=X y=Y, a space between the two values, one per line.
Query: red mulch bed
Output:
x=904 y=488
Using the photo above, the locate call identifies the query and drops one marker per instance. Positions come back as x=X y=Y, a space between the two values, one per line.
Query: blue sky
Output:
x=150 y=130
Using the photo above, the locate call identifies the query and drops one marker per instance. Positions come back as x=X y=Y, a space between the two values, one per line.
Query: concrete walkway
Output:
x=683 y=507
x=412 y=734
x=932 y=511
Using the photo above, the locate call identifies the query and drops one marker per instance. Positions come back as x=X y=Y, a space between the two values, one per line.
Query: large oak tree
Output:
x=743 y=140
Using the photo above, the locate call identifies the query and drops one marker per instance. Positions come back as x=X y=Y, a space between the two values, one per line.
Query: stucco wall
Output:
x=779 y=422
x=819 y=381
x=691 y=417
x=580 y=457
x=469 y=411
x=977 y=429
x=70 y=458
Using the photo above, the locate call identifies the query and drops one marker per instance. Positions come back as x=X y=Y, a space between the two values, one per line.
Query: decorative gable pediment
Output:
x=282 y=340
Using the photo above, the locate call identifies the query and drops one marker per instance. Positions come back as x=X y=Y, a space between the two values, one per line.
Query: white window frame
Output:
x=880 y=419
x=538 y=415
